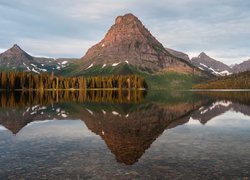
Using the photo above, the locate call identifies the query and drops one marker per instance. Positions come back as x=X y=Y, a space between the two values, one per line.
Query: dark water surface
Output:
x=124 y=135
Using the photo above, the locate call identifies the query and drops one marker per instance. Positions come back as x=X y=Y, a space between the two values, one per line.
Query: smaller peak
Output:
x=15 y=46
x=202 y=54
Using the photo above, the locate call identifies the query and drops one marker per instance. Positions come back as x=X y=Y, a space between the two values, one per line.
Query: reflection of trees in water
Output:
x=234 y=96
x=25 y=98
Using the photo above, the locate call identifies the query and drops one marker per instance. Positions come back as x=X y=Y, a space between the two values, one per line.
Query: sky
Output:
x=67 y=28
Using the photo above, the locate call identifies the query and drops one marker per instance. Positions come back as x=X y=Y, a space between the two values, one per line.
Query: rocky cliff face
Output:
x=244 y=66
x=204 y=62
x=129 y=42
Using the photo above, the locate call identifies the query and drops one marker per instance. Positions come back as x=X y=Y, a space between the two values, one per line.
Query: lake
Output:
x=124 y=135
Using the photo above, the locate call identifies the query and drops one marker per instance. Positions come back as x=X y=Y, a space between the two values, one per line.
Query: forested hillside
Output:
x=234 y=81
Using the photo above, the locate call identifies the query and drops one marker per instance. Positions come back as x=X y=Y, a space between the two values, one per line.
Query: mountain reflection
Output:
x=22 y=107
x=128 y=121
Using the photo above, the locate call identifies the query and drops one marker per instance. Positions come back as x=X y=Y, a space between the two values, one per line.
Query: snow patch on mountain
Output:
x=64 y=62
x=220 y=103
x=115 y=64
x=89 y=66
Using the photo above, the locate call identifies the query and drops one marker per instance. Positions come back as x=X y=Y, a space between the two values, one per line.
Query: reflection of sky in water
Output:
x=2 y=128
x=223 y=142
x=228 y=119
x=54 y=129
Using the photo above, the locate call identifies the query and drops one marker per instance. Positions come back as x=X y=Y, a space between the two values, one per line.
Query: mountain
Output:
x=214 y=109
x=129 y=43
x=16 y=59
x=244 y=66
x=208 y=112
x=204 y=62
x=178 y=54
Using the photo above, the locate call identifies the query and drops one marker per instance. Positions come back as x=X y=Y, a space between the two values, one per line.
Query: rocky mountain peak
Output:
x=129 y=41
x=15 y=58
x=202 y=55
x=16 y=49
x=128 y=28
x=16 y=52
x=126 y=19
x=15 y=46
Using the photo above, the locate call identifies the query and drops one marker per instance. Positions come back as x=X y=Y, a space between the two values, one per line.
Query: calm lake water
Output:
x=124 y=135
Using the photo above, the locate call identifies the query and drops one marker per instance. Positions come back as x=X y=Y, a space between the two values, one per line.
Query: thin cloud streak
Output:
x=65 y=48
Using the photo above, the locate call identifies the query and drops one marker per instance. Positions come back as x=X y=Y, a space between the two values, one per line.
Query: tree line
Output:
x=29 y=81
x=234 y=81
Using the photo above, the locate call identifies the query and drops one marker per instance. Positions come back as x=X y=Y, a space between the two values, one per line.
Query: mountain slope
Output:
x=244 y=66
x=234 y=81
x=204 y=62
x=16 y=59
x=129 y=42
x=178 y=54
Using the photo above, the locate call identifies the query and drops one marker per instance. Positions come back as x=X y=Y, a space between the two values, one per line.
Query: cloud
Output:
x=67 y=28
x=65 y=47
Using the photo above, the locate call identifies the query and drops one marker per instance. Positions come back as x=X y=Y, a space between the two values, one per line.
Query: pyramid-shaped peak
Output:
x=15 y=52
x=127 y=29
x=129 y=41
x=202 y=54
x=16 y=47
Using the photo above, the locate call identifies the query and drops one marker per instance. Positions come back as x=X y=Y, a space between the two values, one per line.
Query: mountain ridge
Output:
x=243 y=66
x=16 y=59
x=178 y=54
